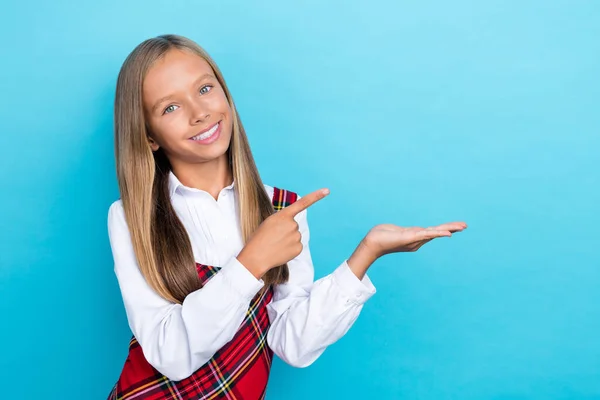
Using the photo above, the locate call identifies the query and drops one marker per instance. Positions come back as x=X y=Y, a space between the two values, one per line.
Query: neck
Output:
x=211 y=176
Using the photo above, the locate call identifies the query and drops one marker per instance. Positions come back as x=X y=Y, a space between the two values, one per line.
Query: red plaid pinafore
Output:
x=238 y=371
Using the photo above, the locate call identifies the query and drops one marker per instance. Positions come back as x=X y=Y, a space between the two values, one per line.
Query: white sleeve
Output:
x=177 y=339
x=308 y=316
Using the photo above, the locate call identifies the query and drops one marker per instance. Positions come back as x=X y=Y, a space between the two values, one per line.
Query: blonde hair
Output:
x=161 y=244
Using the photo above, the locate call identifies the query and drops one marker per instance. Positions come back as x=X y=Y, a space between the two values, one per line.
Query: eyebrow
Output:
x=165 y=98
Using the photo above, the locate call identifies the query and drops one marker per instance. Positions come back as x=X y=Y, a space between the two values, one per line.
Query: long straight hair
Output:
x=161 y=244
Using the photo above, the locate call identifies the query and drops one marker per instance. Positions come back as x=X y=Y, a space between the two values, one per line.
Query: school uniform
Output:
x=220 y=342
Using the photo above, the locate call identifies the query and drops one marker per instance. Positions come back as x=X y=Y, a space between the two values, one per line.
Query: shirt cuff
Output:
x=240 y=279
x=358 y=291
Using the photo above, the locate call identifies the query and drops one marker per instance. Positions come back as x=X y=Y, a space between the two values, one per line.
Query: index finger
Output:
x=306 y=201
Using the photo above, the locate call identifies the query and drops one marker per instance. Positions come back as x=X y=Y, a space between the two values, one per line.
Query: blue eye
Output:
x=205 y=89
x=169 y=109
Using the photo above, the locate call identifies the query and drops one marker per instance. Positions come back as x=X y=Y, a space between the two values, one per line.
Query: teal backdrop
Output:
x=413 y=113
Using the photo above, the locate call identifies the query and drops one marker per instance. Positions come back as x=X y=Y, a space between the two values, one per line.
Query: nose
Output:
x=199 y=113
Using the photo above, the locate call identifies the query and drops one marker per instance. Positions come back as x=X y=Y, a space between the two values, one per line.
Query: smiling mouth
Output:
x=207 y=134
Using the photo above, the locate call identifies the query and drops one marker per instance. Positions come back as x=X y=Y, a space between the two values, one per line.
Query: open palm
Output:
x=387 y=238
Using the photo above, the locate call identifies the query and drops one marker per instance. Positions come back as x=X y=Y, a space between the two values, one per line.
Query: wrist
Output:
x=253 y=265
x=361 y=259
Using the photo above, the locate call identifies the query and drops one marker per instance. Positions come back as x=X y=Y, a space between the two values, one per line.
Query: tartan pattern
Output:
x=283 y=198
x=238 y=371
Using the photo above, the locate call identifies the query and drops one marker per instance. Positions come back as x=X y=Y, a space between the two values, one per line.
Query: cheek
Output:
x=223 y=111
x=228 y=120
x=154 y=131
x=165 y=130
x=221 y=104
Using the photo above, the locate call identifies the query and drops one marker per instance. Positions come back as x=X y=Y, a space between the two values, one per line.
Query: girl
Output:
x=214 y=267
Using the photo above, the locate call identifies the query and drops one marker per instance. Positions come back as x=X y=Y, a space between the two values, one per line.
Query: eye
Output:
x=169 y=109
x=205 y=89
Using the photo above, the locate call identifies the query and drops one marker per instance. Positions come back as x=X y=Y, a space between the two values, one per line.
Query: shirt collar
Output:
x=175 y=183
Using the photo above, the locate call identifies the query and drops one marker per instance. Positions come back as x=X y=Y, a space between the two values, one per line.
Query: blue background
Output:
x=413 y=113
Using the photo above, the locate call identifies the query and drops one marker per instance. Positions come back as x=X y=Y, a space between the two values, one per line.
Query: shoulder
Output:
x=116 y=216
x=116 y=209
x=282 y=198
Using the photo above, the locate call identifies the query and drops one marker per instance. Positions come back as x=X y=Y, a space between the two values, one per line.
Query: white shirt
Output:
x=177 y=339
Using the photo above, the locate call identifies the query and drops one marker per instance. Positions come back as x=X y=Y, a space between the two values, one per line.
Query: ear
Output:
x=153 y=145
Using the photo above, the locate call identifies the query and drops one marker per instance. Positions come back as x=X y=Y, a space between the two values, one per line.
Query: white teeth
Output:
x=207 y=134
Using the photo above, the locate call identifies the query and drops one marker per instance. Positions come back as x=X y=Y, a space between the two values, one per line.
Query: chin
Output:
x=215 y=152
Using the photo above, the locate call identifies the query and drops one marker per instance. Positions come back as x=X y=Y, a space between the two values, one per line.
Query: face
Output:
x=186 y=109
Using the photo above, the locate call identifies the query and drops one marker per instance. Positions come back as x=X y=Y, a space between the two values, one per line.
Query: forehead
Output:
x=174 y=72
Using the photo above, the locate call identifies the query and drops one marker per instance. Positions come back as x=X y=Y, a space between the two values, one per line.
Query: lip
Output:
x=205 y=130
x=215 y=136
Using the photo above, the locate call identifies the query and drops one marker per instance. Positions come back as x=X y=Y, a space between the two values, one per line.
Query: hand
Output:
x=277 y=240
x=386 y=239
